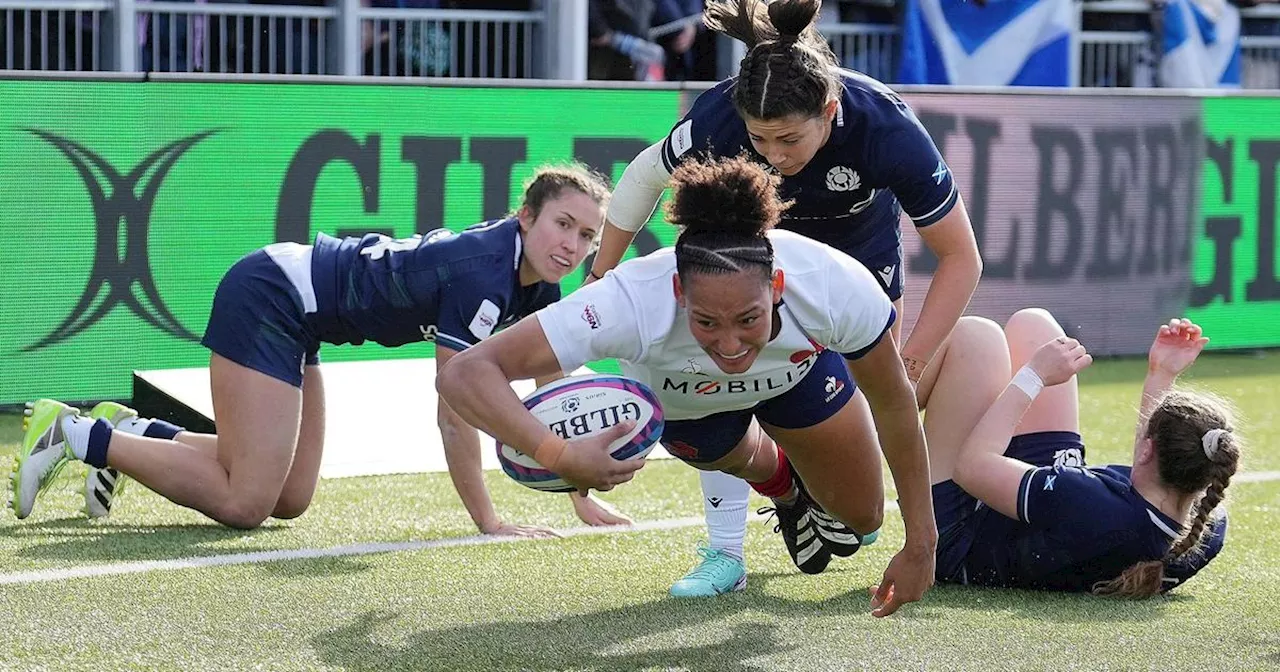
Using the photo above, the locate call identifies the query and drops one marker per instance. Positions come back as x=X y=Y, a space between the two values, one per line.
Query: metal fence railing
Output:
x=346 y=37
x=1260 y=62
x=233 y=37
x=1115 y=45
x=866 y=47
x=449 y=43
x=1131 y=57
x=53 y=35
x=1116 y=58
x=1260 y=48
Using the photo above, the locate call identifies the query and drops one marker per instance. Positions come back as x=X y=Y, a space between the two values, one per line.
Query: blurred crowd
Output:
x=644 y=40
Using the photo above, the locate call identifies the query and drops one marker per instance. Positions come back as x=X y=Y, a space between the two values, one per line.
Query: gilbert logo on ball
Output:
x=578 y=407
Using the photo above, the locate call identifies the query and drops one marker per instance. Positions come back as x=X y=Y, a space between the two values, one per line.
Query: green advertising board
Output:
x=124 y=203
x=1235 y=291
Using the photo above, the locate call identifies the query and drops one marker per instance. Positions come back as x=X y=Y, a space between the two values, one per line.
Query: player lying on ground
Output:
x=743 y=333
x=1015 y=504
x=270 y=314
x=852 y=155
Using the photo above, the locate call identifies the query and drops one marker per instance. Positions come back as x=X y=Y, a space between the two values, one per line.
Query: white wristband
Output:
x=1028 y=381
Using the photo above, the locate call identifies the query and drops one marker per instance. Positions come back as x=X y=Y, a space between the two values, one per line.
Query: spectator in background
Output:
x=690 y=49
x=617 y=50
x=419 y=48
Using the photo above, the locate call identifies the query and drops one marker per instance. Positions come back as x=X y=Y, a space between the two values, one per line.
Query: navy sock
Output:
x=99 y=439
x=159 y=429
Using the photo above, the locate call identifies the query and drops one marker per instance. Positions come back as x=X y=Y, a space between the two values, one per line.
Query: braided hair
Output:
x=788 y=68
x=1196 y=450
x=724 y=208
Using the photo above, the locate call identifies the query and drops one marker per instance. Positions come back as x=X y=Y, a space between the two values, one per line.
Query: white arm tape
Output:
x=1028 y=381
x=636 y=195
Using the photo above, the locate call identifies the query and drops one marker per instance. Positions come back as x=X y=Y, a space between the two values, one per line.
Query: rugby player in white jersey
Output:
x=744 y=333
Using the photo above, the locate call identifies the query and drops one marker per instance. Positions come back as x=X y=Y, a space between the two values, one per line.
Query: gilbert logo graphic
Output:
x=569 y=404
x=119 y=201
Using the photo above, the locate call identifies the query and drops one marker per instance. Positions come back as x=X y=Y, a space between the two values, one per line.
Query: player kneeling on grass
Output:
x=1015 y=504
x=270 y=314
x=742 y=332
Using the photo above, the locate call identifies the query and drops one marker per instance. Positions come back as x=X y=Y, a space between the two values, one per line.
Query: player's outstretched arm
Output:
x=462 y=454
x=883 y=379
x=1175 y=349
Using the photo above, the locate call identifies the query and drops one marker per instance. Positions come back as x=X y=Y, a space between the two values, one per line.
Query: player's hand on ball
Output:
x=587 y=463
x=1056 y=361
x=1176 y=347
x=597 y=512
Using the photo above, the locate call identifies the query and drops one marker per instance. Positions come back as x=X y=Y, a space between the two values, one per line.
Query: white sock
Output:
x=135 y=426
x=76 y=429
x=724 y=499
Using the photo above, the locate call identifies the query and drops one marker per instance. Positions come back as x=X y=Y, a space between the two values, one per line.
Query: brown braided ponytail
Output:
x=1196 y=450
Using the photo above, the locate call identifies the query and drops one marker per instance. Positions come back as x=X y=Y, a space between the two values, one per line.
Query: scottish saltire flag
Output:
x=1200 y=45
x=1005 y=43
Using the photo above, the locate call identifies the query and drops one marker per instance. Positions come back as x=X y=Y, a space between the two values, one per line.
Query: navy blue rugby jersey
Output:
x=878 y=161
x=1077 y=526
x=453 y=288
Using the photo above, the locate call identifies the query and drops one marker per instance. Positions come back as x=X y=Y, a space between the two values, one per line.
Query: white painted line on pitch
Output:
x=197 y=562
x=120 y=568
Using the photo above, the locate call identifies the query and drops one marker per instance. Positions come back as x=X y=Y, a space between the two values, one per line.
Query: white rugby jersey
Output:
x=829 y=301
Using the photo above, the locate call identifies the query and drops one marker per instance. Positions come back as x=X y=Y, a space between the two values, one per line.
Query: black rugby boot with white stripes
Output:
x=795 y=522
x=837 y=537
x=102 y=486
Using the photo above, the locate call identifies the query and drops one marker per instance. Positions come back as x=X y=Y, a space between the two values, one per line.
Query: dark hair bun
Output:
x=791 y=17
x=726 y=195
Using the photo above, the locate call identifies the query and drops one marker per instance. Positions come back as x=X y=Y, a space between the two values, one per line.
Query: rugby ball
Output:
x=579 y=406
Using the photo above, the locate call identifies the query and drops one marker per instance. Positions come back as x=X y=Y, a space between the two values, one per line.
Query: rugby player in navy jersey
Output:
x=270 y=314
x=1015 y=503
x=852 y=157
